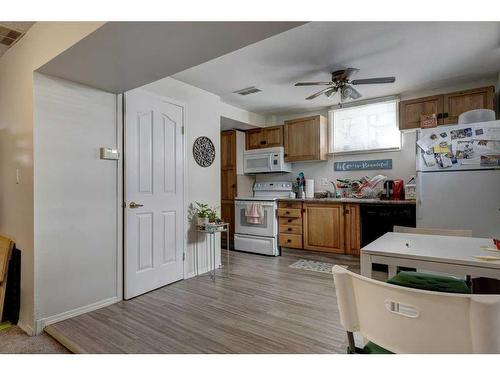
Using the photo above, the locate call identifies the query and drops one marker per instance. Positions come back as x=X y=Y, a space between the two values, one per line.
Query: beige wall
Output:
x=42 y=42
x=77 y=213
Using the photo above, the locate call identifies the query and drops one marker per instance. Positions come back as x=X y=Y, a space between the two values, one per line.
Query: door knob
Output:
x=135 y=205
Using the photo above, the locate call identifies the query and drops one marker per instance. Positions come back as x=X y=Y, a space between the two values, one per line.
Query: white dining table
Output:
x=447 y=254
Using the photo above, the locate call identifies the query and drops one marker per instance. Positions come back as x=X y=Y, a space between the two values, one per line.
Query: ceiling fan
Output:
x=342 y=83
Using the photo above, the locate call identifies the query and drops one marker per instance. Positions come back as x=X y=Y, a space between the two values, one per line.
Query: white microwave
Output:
x=265 y=160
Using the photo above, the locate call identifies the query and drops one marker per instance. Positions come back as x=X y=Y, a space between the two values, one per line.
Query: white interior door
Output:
x=154 y=213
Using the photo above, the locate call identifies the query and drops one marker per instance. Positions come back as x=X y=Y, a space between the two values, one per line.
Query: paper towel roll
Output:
x=309 y=188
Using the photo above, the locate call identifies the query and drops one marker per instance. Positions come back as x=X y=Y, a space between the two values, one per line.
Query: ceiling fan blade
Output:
x=314 y=83
x=344 y=74
x=331 y=92
x=369 y=81
x=318 y=93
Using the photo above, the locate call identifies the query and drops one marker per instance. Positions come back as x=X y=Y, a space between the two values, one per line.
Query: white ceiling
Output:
x=121 y=56
x=18 y=26
x=422 y=56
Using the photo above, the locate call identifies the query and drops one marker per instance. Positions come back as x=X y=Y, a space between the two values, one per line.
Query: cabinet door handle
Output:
x=290 y=220
x=263 y=142
x=439 y=116
x=445 y=115
x=287 y=212
x=289 y=229
x=289 y=240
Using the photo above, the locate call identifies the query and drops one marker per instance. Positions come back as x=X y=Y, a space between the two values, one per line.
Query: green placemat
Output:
x=5 y=325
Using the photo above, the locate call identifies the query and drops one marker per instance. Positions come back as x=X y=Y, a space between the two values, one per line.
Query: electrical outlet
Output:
x=324 y=182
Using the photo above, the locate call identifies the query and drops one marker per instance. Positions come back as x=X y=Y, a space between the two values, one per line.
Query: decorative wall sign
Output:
x=204 y=151
x=362 y=165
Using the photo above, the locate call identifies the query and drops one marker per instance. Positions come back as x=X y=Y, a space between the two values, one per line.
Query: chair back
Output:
x=405 y=320
x=434 y=231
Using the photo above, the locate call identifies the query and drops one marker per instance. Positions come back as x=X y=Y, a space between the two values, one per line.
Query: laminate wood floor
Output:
x=263 y=307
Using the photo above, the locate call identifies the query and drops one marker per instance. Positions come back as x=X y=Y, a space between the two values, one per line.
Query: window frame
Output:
x=331 y=125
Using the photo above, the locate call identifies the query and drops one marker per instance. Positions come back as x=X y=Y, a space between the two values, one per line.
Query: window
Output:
x=365 y=128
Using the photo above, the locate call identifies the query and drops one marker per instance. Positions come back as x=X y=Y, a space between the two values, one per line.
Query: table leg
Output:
x=213 y=255
x=366 y=265
x=393 y=270
x=196 y=254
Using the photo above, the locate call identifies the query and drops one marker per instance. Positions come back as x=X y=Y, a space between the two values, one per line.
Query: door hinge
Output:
x=183 y=257
x=182 y=130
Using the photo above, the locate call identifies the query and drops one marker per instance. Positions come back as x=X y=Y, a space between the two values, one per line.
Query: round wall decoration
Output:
x=204 y=151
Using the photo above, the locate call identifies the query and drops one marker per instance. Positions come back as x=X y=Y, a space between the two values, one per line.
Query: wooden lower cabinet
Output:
x=324 y=227
x=290 y=224
x=352 y=223
x=317 y=226
x=227 y=215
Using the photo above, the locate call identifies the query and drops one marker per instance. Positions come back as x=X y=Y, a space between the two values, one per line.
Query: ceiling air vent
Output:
x=247 y=91
x=9 y=36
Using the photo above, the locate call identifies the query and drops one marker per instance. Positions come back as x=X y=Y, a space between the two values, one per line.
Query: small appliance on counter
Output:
x=388 y=190
x=398 y=190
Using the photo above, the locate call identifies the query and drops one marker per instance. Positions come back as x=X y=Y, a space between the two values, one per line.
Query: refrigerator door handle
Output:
x=419 y=196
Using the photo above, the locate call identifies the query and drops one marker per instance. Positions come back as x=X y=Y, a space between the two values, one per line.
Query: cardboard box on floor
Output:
x=6 y=246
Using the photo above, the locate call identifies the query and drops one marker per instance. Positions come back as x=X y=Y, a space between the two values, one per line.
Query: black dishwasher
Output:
x=378 y=219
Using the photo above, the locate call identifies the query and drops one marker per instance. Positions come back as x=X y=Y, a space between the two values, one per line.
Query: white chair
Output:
x=405 y=320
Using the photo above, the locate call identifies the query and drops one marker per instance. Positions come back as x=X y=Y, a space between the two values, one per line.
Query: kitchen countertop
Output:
x=347 y=200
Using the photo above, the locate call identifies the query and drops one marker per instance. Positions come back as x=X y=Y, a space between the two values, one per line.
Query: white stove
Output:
x=260 y=238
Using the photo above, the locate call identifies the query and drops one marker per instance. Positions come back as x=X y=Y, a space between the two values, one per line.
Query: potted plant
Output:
x=212 y=215
x=202 y=211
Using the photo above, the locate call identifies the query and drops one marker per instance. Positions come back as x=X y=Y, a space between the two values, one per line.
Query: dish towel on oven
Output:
x=254 y=213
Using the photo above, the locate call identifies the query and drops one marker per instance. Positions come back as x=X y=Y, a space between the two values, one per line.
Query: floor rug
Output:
x=312 y=265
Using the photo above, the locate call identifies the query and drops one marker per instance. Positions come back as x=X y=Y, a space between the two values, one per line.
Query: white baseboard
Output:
x=26 y=328
x=201 y=271
x=40 y=324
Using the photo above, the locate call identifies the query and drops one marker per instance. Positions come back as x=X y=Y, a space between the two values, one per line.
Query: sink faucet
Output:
x=334 y=189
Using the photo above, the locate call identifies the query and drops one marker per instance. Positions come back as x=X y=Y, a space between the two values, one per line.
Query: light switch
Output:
x=108 y=153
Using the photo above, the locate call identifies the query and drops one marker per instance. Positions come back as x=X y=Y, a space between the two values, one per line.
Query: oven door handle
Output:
x=264 y=204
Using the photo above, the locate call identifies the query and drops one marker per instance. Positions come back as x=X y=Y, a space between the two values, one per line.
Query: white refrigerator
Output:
x=459 y=189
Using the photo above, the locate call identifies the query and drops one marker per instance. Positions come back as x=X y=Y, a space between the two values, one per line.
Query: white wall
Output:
x=242 y=115
x=42 y=42
x=202 y=118
x=77 y=214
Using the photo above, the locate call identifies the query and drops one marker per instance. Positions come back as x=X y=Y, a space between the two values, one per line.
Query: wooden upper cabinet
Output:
x=352 y=222
x=324 y=227
x=271 y=136
x=447 y=107
x=306 y=139
x=411 y=110
x=456 y=103
x=228 y=149
x=253 y=139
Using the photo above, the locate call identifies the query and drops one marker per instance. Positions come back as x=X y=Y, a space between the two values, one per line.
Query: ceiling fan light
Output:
x=346 y=92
